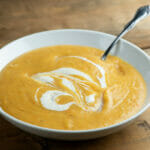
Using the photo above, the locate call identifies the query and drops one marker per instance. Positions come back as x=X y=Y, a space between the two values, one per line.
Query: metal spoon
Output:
x=140 y=14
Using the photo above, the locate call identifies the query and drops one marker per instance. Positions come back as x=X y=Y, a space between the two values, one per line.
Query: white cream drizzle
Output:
x=35 y=96
x=90 y=98
x=48 y=99
x=71 y=71
x=102 y=71
x=68 y=84
x=46 y=79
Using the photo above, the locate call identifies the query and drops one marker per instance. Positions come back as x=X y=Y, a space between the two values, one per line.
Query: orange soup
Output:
x=70 y=88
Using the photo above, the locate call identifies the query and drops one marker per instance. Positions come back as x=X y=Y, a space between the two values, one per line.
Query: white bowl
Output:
x=125 y=50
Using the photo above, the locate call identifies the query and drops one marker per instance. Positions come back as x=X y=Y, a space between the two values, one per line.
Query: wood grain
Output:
x=22 y=17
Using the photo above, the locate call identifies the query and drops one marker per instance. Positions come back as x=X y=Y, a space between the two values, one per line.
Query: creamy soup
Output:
x=70 y=88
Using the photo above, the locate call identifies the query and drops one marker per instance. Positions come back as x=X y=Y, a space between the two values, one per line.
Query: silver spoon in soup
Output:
x=140 y=14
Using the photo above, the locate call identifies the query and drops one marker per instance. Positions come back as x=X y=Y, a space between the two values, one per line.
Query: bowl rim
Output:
x=23 y=123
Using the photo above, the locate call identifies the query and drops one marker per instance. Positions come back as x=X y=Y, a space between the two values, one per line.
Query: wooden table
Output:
x=22 y=17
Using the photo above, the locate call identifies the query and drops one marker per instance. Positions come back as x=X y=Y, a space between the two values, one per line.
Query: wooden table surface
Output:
x=21 y=17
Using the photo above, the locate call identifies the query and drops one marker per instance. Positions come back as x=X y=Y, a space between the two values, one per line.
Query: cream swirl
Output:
x=74 y=84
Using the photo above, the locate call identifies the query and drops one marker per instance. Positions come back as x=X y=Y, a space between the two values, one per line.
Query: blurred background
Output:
x=22 y=17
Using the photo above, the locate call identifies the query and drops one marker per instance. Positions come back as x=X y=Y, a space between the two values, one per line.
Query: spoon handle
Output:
x=140 y=14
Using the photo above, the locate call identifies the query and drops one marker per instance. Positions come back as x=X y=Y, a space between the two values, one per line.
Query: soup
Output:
x=70 y=88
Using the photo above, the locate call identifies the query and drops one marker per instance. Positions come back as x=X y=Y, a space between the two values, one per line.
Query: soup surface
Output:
x=70 y=88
